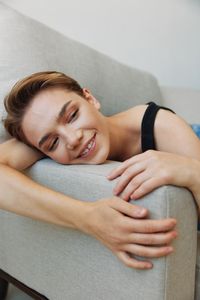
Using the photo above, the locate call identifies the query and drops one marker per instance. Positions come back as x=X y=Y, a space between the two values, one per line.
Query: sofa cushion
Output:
x=63 y=263
x=197 y=285
x=28 y=46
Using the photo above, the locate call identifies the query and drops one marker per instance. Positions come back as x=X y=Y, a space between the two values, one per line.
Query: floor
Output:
x=16 y=294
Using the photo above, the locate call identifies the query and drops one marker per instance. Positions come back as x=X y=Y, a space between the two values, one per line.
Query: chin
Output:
x=99 y=162
x=102 y=159
x=96 y=160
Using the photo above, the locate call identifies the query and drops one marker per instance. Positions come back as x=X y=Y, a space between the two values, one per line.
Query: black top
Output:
x=147 y=129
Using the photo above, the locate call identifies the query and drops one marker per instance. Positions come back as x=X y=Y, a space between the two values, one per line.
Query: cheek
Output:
x=60 y=155
x=89 y=118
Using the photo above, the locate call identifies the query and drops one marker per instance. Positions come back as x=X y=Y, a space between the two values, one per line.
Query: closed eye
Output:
x=73 y=115
x=53 y=145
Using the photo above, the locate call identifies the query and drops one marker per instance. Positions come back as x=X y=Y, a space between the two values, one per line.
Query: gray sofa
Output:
x=64 y=264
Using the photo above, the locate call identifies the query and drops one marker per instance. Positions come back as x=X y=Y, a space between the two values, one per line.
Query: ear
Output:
x=91 y=99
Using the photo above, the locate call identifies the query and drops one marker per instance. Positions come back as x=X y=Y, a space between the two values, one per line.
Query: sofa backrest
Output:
x=28 y=46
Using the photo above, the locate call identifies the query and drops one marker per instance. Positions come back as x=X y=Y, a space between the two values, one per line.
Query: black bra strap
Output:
x=147 y=128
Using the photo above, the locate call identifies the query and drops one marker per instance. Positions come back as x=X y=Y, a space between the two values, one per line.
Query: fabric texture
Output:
x=28 y=47
x=197 y=285
x=41 y=254
x=63 y=263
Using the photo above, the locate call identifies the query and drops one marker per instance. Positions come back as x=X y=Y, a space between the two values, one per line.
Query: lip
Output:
x=91 y=149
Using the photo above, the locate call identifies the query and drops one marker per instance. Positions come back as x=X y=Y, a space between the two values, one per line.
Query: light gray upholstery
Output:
x=197 y=286
x=64 y=263
x=28 y=47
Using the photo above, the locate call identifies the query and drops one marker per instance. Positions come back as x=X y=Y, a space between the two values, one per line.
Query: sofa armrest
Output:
x=40 y=254
x=184 y=101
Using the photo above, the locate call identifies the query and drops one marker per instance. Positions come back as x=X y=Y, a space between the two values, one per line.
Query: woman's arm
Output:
x=120 y=226
x=176 y=162
x=112 y=221
x=143 y=173
x=17 y=155
x=193 y=182
x=174 y=135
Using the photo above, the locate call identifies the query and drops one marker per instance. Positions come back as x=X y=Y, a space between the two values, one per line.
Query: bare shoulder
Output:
x=174 y=134
x=18 y=155
x=167 y=121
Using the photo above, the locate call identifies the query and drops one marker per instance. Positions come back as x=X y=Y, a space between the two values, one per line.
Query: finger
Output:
x=117 y=171
x=128 y=209
x=123 y=166
x=142 y=225
x=146 y=187
x=152 y=226
x=150 y=252
x=127 y=176
x=132 y=262
x=133 y=185
x=152 y=239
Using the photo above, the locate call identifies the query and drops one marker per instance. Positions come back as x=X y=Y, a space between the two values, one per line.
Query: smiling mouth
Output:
x=89 y=149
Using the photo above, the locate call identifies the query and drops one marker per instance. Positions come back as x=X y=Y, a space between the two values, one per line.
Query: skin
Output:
x=139 y=173
x=71 y=132
x=82 y=120
x=145 y=172
x=118 y=225
x=115 y=223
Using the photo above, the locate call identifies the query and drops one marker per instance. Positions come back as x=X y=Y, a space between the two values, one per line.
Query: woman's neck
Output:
x=124 y=133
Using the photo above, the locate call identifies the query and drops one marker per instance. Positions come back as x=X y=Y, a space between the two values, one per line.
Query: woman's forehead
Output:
x=52 y=96
x=42 y=111
x=48 y=102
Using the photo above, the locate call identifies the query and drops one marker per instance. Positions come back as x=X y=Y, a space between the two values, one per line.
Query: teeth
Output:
x=88 y=148
x=90 y=145
x=85 y=151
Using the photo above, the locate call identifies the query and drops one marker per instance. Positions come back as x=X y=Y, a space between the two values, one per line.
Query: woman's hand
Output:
x=145 y=172
x=122 y=227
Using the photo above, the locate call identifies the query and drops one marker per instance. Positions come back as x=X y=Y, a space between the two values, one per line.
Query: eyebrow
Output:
x=59 y=117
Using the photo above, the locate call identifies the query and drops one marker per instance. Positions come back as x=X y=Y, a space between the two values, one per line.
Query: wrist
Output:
x=194 y=176
x=81 y=219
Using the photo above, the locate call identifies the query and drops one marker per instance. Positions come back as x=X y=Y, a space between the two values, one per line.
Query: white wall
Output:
x=161 y=36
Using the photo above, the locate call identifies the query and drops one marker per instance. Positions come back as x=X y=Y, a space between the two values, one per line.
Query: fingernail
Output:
x=170 y=249
x=174 y=221
x=115 y=191
x=149 y=266
x=140 y=211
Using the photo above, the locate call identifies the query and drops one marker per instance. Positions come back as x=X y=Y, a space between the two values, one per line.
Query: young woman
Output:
x=71 y=130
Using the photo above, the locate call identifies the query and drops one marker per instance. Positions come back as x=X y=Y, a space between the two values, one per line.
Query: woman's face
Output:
x=67 y=127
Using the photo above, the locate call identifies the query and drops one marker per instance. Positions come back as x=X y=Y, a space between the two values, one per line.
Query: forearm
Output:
x=111 y=221
x=21 y=195
x=194 y=181
x=17 y=155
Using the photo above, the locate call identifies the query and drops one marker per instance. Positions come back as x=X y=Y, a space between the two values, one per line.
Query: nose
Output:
x=73 y=138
